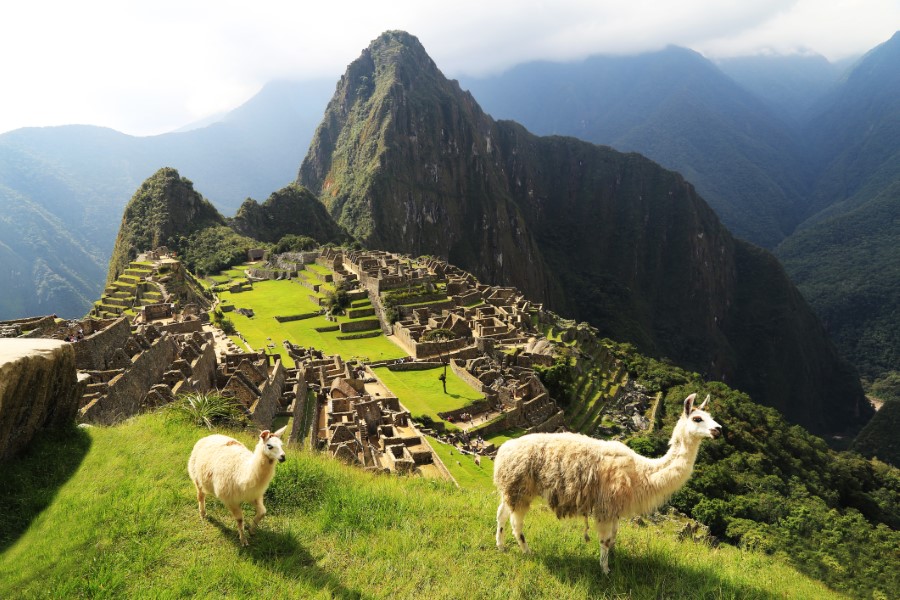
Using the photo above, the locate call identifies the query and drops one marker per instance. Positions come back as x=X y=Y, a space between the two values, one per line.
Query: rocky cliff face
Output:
x=407 y=161
x=38 y=390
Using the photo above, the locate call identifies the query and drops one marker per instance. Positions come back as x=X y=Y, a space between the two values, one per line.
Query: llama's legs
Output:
x=201 y=500
x=517 y=519
x=587 y=529
x=239 y=517
x=606 y=531
x=260 y=513
x=503 y=513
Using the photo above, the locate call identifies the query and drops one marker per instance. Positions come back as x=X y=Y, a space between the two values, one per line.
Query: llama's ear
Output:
x=279 y=432
x=689 y=404
x=264 y=435
x=705 y=402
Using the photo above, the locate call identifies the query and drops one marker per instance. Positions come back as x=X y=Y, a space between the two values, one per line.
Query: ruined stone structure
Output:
x=354 y=425
x=260 y=382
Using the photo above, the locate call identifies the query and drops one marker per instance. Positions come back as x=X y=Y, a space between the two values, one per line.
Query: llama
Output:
x=579 y=475
x=225 y=468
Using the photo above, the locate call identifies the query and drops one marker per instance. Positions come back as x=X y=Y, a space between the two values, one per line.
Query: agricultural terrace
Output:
x=269 y=299
x=423 y=395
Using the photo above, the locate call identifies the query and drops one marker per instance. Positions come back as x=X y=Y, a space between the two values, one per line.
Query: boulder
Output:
x=39 y=389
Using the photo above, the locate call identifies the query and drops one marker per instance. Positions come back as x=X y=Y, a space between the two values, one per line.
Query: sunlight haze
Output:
x=148 y=68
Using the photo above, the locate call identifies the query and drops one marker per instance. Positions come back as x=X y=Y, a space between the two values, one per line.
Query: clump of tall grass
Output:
x=208 y=409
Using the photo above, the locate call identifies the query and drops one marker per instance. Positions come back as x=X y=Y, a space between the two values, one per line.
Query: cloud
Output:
x=150 y=67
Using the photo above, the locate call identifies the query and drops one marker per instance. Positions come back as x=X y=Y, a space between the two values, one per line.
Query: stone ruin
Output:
x=353 y=425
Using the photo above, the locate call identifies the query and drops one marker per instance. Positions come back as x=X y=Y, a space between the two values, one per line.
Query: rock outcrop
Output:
x=39 y=389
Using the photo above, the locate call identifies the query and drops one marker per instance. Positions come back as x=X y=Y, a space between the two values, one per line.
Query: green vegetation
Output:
x=269 y=299
x=848 y=267
x=422 y=394
x=120 y=521
x=215 y=249
x=208 y=410
x=292 y=217
x=879 y=437
x=294 y=243
x=467 y=474
x=770 y=486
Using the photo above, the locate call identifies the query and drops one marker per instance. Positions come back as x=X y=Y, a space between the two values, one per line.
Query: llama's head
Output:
x=697 y=422
x=270 y=444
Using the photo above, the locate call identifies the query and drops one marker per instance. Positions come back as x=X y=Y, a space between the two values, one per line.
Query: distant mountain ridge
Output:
x=63 y=188
x=407 y=161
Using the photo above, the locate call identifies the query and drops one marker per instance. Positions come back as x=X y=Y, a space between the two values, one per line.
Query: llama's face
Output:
x=699 y=422
x=272 y=444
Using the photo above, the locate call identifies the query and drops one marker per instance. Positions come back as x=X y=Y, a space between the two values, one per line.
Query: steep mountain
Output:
x=791 y=85
x=405 y=160
x=291 y=210
x=163 y=211
x=67 y=187
x=679 y=109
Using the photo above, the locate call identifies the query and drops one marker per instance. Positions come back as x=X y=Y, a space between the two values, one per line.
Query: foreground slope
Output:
x=120 y=519
x=406 y=161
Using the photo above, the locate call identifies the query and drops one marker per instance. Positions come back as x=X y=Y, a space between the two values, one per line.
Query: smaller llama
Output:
x=224 y=467
x=582 y=476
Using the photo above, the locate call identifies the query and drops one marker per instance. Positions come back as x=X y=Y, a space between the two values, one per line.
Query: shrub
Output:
x=208 y=410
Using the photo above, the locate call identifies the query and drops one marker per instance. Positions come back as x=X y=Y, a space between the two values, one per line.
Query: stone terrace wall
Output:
x=126 y=392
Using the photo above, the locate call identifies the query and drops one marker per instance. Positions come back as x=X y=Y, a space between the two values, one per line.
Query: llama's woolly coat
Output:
x=224 y=467
x=579 y=475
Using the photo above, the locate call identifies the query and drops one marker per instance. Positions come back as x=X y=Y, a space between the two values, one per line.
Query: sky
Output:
x=146 y=68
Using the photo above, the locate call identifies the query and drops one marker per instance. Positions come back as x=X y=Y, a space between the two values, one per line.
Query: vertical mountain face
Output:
x=163 y=209
x=405 y=160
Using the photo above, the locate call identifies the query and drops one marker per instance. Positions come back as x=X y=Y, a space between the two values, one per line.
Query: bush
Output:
x=209 y=410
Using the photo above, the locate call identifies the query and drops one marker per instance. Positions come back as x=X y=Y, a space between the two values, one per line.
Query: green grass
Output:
x=509 y=434
x=117 y=518
x=463 y=468
x=422 y=393
x=271 y=298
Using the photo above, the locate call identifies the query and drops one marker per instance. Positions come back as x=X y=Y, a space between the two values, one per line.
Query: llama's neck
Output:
x=672 y=470
x=259 y=468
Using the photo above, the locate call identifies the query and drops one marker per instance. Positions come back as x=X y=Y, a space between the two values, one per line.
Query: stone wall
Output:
x=263 y=411
x=182 y=327
x=301 y=391
x=39 y=389
x=362 y=325
x=126 y=392
x=420 y=365
x=96 y=351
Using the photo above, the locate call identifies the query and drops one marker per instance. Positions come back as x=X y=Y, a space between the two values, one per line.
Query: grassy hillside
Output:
x=110 y=512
